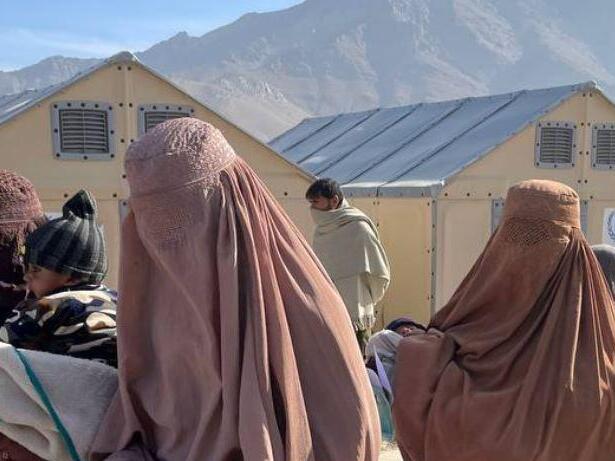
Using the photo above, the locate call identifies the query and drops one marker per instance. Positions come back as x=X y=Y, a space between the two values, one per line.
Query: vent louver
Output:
x=604 y=146
x=153 y=118
x=82 y=130
x=151 y=115
x=555 y=144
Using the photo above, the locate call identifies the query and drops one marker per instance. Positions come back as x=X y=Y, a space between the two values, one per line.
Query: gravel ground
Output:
x=390 y=453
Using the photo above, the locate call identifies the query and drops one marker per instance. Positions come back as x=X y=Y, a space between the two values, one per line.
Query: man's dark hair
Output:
x=325 y=187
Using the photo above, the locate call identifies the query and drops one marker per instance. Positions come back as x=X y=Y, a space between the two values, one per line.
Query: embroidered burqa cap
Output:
x=233 y=343
x=519 y=364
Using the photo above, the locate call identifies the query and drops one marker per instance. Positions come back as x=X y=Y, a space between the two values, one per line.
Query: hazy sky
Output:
x=31 y=30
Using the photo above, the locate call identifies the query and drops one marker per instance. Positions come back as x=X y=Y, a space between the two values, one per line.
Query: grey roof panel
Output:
x=326 y=135
x=469 y=113
x=384 y=144
x=414 y=149
x=481 y=139
x=350 y=141
x=305 y=129
x=13 y=104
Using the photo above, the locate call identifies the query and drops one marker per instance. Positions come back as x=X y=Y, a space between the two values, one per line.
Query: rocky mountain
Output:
x=267 y=71
x=47 y=72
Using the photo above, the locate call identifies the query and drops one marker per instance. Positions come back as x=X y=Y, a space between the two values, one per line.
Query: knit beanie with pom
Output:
x=72 y=244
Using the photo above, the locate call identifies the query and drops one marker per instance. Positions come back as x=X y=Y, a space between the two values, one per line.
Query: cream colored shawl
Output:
x=347 y=243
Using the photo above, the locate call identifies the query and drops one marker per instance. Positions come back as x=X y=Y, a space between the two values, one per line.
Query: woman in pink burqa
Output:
x=233 y=343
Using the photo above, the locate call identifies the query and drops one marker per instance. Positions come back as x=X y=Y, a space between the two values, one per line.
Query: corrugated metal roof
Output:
x=413 y=150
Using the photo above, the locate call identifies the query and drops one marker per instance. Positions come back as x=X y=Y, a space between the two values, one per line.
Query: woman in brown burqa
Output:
x=519 y=365
x=233 y=343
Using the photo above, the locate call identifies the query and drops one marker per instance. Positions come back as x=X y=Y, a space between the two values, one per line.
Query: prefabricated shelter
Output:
x=434 y=176
x=74 y=135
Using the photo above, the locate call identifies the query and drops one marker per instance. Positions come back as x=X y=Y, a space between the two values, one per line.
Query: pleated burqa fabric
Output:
x=606 y=258
x=519 y=365
x=233 y=343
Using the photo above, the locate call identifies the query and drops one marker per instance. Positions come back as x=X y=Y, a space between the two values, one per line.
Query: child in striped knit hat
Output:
x=72 y=313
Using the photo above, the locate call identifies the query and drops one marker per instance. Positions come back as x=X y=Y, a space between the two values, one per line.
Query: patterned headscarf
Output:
x=20 y=213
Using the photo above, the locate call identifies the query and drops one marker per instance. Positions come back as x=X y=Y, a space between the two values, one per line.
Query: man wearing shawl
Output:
x=233 y=343
x=520 y=364
x=347 y=243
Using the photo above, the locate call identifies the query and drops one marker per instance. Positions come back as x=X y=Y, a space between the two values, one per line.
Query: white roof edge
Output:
x=424 y=190
x=122 y=57
x=431 y=190
x=594 y=86
x=353 y=191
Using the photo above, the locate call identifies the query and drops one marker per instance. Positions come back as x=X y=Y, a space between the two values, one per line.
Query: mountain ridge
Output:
x=267 y=71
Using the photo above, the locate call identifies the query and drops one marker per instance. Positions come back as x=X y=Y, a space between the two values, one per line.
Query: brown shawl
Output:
x=519 y=365
x=20 y=213
x=233 y=343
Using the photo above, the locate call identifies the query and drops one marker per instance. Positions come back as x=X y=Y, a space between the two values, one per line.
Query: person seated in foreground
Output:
x=380 y=352
x=380 y=360
x=72 y=313
x=380 y=363
x=520 y=364
x=404 y=326
x=382 y=347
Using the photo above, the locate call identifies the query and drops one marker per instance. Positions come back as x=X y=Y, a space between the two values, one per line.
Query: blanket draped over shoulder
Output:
x=79 y=390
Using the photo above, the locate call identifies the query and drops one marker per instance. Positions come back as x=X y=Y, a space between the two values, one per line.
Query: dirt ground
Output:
x=390 y=453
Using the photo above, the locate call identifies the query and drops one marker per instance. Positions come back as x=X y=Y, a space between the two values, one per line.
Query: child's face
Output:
x=41 y=281
x=405 y=330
